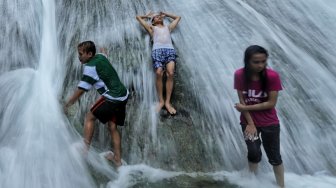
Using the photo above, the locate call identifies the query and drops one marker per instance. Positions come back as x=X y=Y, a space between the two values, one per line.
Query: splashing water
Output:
x=37 y=145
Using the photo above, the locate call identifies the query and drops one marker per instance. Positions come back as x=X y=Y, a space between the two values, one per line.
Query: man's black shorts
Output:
x=105 y=110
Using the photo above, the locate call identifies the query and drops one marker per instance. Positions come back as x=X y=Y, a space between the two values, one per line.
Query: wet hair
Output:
x=88 y=46
x=249 y=52
x=152 y=21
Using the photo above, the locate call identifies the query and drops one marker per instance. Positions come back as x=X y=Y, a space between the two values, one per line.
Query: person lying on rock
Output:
x=163 y=54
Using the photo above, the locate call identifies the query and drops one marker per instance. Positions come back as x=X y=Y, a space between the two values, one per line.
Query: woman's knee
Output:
x=275 y=161
x=254 y=151
x=254 y=156
x=170 y=74
x=159 y=72
x=274 y=157
x=170 y=68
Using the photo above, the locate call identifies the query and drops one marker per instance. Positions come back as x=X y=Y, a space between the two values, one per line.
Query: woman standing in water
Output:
x=257 y=88
x=163 y=54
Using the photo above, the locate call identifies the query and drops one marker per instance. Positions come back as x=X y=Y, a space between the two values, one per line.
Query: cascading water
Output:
x=39 y=148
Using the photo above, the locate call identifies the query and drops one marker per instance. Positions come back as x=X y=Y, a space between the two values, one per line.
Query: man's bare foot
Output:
x=111 y=157
x=171 y=110
x=159 y=106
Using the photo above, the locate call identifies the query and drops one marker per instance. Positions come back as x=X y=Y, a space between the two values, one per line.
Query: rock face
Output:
x=163 y=141
x=187 y=181
x=177 y=145
x=183 y=142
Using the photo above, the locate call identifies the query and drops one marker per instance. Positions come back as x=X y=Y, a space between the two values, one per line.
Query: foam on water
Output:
x=133 y=175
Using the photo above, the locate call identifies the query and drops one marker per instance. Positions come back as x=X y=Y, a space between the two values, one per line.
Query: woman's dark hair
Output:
x=249 y=52
x=152 y=21
x=88 y=46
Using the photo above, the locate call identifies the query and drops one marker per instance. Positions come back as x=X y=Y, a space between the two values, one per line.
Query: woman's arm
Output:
x=246 y=114
x=269 y=104
x=176 y=20
x=250 y=130
x=142 y=21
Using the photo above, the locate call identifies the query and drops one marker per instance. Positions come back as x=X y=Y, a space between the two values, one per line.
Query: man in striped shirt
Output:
x=110 y=108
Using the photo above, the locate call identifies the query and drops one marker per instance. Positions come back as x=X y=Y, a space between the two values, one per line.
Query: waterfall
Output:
x=203 y=144
x=38 y=147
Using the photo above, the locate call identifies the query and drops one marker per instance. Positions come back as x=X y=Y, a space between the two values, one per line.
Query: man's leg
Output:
x=169 y=86
x=159 y=87
x=88 y=129
x=116 y=143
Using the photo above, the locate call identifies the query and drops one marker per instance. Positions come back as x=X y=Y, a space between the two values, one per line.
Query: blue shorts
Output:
x=162 y=56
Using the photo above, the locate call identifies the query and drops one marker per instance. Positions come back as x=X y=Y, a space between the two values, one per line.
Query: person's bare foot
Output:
x=111 y=157
x=171 y=110
x=159 y=106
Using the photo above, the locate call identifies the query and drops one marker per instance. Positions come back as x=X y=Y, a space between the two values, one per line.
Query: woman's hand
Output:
x=149 y=14
x=162 y=14
x=240 y=107
x=251 y=132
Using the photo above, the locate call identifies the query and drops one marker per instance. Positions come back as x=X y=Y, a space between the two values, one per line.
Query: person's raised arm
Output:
x=142 y=21
x=176 y=20
x=103 y=50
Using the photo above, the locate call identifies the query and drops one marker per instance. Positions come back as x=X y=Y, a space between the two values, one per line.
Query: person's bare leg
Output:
x=116 y=141
x=253 y=167
x=169 y=86
x=279 y=175
x=88 y=129
x=159 y=88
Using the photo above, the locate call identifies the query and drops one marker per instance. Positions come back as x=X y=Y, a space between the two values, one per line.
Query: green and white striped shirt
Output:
x=98 y=72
